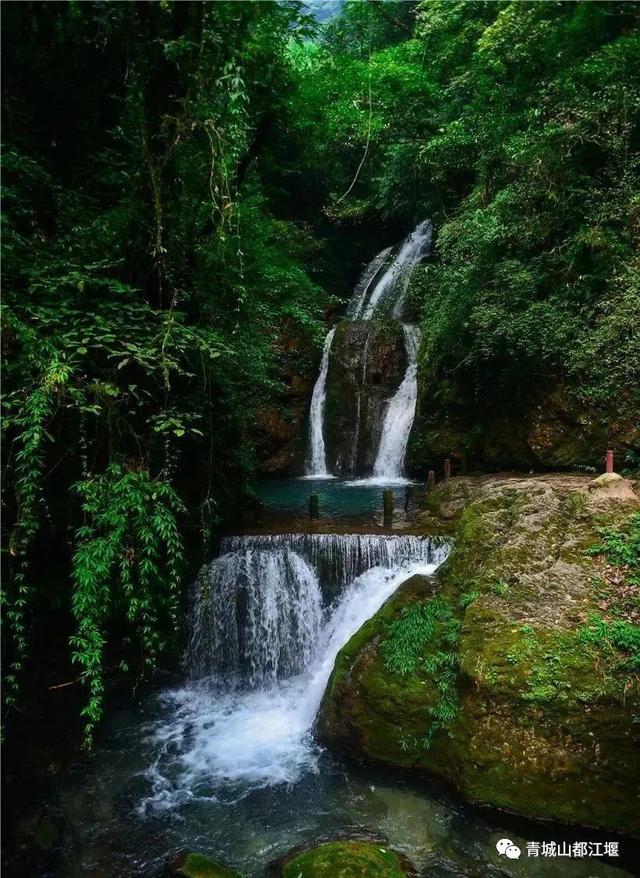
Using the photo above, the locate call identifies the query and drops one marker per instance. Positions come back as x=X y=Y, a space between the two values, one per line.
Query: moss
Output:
x=346 y=859
x=547 y=719
x=193 y=865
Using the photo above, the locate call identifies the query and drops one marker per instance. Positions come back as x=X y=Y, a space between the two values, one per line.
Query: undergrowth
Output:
x=621 y=547
x=619 y=635
x=433 y=624
x=128 y=557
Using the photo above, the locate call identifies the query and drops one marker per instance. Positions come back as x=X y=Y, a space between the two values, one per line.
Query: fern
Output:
x=622 y=547
x=32 y=420
x=432 y=623
x=620 y=635
x=128 y=553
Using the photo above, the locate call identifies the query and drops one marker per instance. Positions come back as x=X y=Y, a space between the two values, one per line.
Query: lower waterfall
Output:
x=245 y=721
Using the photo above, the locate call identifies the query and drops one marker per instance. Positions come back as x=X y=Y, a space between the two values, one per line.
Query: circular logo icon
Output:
x=506 y=848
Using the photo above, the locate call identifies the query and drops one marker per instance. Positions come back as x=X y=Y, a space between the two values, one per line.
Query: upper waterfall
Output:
x=382 y=289
x=392 y=285
x=366 y=280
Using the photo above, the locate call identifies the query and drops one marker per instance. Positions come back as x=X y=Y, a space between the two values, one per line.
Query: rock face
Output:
x=367 y=363
x=548 y=429
x=344 y=859
x=513 y=673
x=279 y=431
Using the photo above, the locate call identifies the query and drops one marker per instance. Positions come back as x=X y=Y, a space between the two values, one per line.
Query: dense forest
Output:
x=190 y=192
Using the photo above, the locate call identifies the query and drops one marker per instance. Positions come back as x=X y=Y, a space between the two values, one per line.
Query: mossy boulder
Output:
x=366 y=366
x=193 y=865
x=345 y=859
x=529 y=700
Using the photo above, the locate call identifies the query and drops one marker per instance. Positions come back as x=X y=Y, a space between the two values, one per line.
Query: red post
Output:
x=431 y=480
x=447 y=468
x=609 y=462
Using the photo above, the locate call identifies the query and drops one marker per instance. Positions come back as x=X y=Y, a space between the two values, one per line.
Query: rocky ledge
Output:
x=513 y=674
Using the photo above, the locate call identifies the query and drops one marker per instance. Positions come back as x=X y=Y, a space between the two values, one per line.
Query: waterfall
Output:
x=401 y=411
x=253 y=727
x=255 y=613
x=337 y=559
x=384 y=282
x=362 y=287
x=316 y=463
x=395 y=280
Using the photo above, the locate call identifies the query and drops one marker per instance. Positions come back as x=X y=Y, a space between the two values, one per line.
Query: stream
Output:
x=227 y=763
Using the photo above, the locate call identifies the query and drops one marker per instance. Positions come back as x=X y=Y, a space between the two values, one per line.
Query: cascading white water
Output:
x=389 y=463
x=316 y=461
x=421 y=248
x=255 y=612
x=366 y=279
x=336 y=558
x=225 y=739
x=395 y=280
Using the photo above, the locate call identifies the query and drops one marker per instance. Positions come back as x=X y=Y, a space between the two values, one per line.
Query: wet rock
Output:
x=541 y=717
x=344 y=859
x=192 y=865
x=279 y=431
x=366 y=367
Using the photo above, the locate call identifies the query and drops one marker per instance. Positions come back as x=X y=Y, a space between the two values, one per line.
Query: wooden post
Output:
x=408 y=494
x=314 y=506
x=447 y=468
x=609 y=462
x=431 y=480
x=387 y=506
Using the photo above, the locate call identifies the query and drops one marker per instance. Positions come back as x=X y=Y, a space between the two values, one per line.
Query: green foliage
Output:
x=433 y=625
x=32 y=419
x=622 y=548
x=513 y=125
x=151 y=295
x=128 y=557
x=467 y=598
x=167 y=230
x=619 y=635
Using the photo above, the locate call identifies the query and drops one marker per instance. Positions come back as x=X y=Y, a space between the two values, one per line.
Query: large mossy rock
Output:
x=345 y=859
x=523 y=693
x=193 y=865
x=366 y=366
